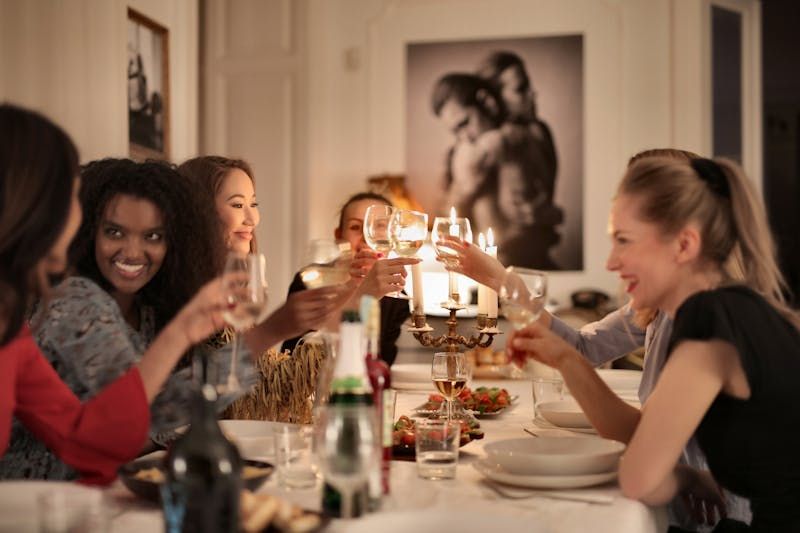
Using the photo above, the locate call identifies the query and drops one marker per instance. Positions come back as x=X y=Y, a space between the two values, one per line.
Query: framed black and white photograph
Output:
x=494 y=128
x=148 y=88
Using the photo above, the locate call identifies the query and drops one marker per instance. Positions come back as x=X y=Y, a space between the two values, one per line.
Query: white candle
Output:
x=482 y=289
x=416 y=282
x=453 y=226
x=491 y=296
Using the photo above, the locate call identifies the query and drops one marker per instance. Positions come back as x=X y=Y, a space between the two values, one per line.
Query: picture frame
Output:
x=148 y=88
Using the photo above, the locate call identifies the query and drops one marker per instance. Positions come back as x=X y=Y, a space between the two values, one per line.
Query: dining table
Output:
x=415 y=505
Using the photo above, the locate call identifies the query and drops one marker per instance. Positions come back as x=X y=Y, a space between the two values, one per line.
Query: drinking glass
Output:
x=450 y=373
x=408 y=230
x=245 y=277
x=445 y=229
x=327 y=263
x=522 y=295
x=294 y=455
x=348 y=448
x=377 y=235
x=436 y=446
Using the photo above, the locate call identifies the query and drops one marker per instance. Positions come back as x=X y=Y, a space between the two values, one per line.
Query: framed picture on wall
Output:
x=494 y=128
x=148 y=88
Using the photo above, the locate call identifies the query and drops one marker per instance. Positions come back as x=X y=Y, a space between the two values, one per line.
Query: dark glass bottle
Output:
x=204 y=474
x=381 y=381
x=349 y=386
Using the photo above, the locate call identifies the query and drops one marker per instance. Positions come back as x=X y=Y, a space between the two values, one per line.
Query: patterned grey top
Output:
x=84 y=335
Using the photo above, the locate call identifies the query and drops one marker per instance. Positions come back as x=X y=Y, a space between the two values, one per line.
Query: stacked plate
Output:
x=565 y=414
x=551 y=462
x=623 y=382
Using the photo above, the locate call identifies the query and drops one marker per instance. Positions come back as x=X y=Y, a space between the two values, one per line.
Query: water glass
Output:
x=294 y=455
x=437 y=444
x=546 y=389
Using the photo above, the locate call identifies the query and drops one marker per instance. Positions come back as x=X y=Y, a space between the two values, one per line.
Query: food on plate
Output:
x=481 y=400
x=153 y=475
x=486 y=357
x=403 y=438
x=258 y=511
x=156 y=475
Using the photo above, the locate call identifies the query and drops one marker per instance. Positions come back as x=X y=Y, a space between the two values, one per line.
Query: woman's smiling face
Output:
x=238 y=210
x=130 y=244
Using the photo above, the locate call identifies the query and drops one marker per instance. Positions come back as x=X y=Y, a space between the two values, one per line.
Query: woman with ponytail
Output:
x=677 y=229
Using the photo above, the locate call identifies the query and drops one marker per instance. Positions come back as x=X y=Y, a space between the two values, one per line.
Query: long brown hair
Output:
x=38 y=167
x=207 y=173
x=735 y=235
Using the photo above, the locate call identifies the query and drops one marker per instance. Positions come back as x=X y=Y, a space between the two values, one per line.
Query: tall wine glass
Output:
x=347 y=447
x=450 y=373
x=408 y=230
x=377 y=219
x=327 y=263
x=245 y=277
x=522 y=295
x=445 y=229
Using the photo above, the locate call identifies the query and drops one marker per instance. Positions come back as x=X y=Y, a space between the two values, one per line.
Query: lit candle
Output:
x=491 y=296
x=482 y=289
x=452 y=280
x=453 y=225
x=416 y=282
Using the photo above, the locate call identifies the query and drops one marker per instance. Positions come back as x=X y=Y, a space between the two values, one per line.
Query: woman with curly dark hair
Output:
x=144 y=248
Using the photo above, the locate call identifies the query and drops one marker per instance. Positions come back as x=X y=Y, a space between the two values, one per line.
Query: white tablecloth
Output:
x=463 y=504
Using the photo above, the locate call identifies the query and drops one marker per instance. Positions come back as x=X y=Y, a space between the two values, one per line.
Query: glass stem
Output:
x=347 y=503
x=233 y=381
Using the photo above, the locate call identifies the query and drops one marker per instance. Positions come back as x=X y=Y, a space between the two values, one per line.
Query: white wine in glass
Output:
x=376 y=227
x=408 y=230
x=523 y=294
x=245 y=279
x=327 y=263
x=449 y=373
x=445 y=229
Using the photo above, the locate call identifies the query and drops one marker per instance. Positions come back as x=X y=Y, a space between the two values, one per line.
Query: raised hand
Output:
x=474 y=263
x=202 y=316
x=536 y=341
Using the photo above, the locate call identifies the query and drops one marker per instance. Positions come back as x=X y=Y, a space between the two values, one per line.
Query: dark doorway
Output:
x=781 y=94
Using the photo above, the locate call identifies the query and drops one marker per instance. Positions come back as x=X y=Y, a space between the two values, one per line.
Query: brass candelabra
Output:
x=452 y=341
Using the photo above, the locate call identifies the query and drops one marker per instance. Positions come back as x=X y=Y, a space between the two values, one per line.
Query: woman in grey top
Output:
x=142 y=251
x=611 y=338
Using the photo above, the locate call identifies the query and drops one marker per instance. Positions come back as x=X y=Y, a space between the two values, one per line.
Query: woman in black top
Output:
x=734 y=351
x=371 y=273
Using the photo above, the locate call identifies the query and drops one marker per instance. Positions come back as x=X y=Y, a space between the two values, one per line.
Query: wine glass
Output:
x=408 y=230
x=522 y=295
x=445 y=229
x=347 y=447
x=450 y=373
x=376 y=232
x=245 y=277
x=327 y=263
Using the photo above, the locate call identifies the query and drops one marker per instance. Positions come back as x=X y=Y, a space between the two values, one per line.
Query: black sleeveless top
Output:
x=752 y=446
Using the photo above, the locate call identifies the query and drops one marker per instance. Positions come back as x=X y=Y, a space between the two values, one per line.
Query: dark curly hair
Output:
x=192 y=238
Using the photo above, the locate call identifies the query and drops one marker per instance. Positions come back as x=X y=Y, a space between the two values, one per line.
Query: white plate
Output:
x=564 y=414
x=621 y=381
x=496 y=472
x=254 y=438
x=555 y=456
x=411 y=373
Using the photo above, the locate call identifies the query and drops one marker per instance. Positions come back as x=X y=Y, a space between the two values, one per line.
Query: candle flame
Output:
x=452 y=215
x=482 y=242
x=490 y=237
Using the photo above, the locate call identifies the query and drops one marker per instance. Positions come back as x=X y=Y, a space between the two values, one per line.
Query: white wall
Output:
x=357 y=111
x=68 y=60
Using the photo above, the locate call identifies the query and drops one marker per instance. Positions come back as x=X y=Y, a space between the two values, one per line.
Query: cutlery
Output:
x=522 y=494
x=529 y=432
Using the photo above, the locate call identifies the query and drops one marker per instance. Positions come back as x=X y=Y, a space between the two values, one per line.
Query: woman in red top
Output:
x=39 y=215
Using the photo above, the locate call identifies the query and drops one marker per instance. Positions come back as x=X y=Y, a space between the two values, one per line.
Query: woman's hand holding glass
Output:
x=469 y=260
x=536 y=341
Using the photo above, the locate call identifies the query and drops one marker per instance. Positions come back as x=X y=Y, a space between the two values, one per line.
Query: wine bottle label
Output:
x=349 y=384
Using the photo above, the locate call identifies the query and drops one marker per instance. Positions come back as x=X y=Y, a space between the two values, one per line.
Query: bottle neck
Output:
x=350 y=373
x=204 y=409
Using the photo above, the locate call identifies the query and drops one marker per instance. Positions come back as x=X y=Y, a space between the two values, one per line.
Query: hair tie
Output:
x=711 y=173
